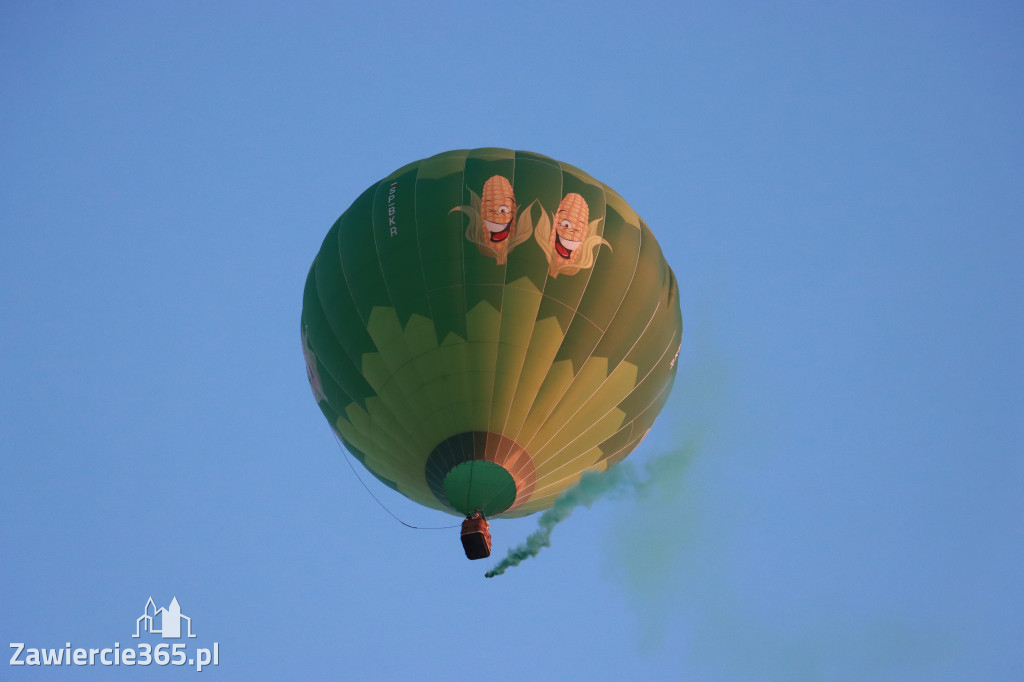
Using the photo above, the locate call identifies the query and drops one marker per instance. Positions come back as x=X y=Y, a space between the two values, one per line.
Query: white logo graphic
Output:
x=163 y=622
x=169 y=620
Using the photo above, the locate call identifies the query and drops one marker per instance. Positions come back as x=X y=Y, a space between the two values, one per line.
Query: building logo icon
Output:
x=165 y=622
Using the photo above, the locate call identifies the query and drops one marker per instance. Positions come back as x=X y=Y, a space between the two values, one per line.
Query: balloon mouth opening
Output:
x=480 y=471
x=480 y=486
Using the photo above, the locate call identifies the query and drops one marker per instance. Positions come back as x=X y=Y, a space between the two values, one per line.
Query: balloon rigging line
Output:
x=346 y=454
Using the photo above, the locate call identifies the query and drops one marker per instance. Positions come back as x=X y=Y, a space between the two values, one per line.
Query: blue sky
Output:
x=838 y=190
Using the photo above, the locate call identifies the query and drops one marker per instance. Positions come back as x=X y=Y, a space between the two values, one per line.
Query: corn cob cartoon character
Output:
x=498 y=209
x=492 y=219
x=571 y=242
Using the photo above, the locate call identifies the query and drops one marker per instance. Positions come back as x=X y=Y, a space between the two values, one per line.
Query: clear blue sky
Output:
x=839 y=191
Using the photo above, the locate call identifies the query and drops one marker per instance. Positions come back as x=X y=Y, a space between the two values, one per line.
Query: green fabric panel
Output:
x=482 y=269
x=336 y=300
x=635 y=312
x=333 y=393
x=580 y=340
x=353 y=274
x=439 y=188
x=395 y=233
x=576 y=433
x=613 y=271
x=398 y=337
x=664 y=327
x=538 y=184
x=660 y=360
x=579 y=173
x=392 y=374
x=569 y=288
x=440 y=228
x=529 y=343
x=519 y=311
x=487 y=294
x=545 y=339
x=405 y=169
x=442 y=165
x=614 y=202
x=535 y=181
x=534 y=156
x=637 y=429
x=622 y=439
x=592 y=394
x=328 y=352
x=553 y=308
x=490 y=153
x=361 y=456
x=358 y=253
x=346 y=328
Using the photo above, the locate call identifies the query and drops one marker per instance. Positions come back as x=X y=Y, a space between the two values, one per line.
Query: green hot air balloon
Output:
x=483 y=326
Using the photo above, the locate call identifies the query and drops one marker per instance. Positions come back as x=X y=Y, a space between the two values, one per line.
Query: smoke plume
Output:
x=622 y=478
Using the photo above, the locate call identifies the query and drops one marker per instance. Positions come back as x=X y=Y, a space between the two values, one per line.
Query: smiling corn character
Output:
x=498 y=209
x=492 y=219
x=569 y=241
x=570 y=226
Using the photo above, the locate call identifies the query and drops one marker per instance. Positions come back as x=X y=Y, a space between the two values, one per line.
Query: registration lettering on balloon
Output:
x=492 y=219
x=392 y=225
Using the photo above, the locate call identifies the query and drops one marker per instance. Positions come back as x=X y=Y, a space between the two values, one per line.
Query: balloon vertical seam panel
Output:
x=489 y=306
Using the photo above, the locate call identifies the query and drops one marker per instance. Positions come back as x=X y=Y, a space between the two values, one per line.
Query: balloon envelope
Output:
x=483 y=326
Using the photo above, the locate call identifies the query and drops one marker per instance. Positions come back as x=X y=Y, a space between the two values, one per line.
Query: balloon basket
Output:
x=476 y=537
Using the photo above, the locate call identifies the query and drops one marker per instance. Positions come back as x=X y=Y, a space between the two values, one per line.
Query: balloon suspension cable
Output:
x=347 y=456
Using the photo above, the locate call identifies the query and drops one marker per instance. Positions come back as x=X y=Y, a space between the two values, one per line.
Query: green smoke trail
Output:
x=591 y=486
x=621 y=478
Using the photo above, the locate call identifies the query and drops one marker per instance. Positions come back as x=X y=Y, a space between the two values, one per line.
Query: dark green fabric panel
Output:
x=479 y=267
x=550 y=307
x=491 y=293
x=329 y=353
x=665 y=325
x=358 y=251
x=534 y=156
x=346 y=321
x=336 y=301
x=395 y=228
x=647 y=350
x=439 y=190
x=361 y=456
x=613 y=271
x=449 y=306
x=580 y=341
x=660 y=361
x=568 y=288
x=445 y=456
x=637 y=308
x=538 y=188
x=637 y=428
x=622 y=438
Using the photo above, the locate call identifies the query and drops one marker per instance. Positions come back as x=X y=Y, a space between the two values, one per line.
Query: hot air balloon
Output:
x=483 y=326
